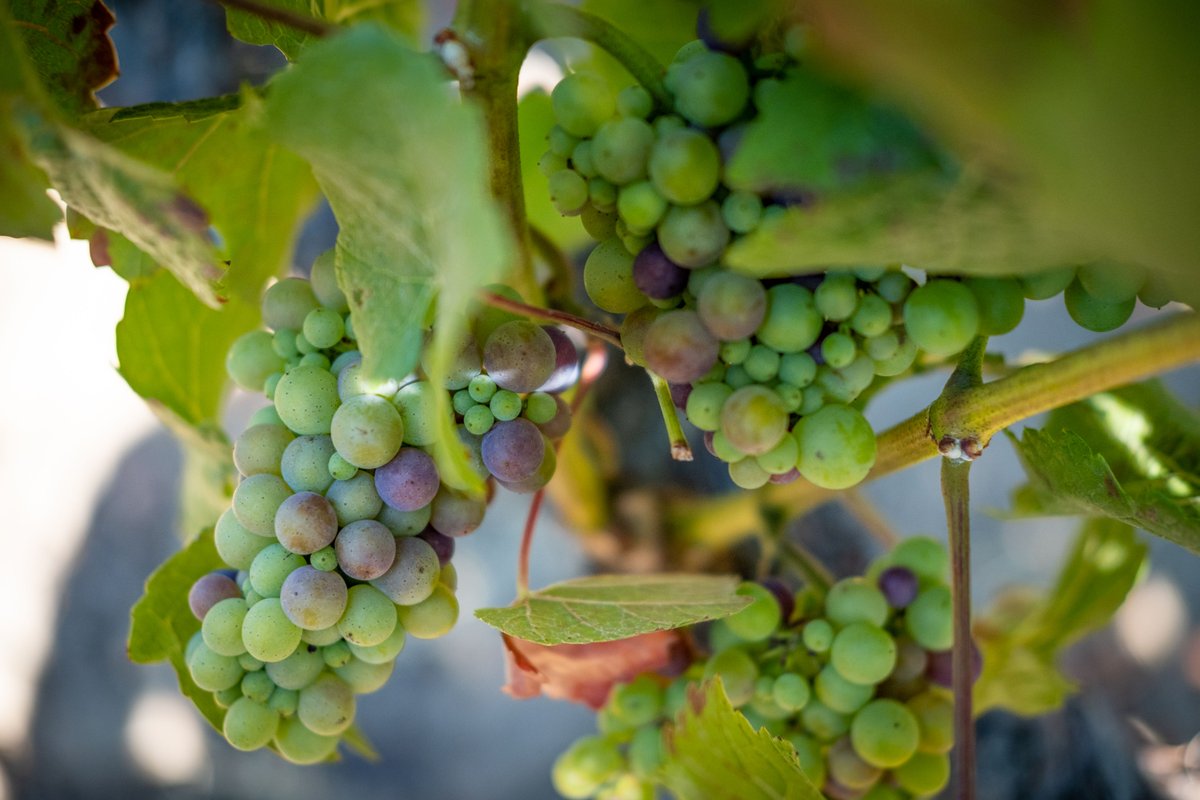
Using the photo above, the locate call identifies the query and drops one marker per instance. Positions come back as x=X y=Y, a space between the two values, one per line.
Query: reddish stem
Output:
x=602 y=332
x=527 y=544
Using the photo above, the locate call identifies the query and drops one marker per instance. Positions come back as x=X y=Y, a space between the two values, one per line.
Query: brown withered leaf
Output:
x=69 y=47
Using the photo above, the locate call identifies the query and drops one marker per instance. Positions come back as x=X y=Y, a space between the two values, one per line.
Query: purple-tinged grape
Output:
x=679 y=348
x=513 y=450
x=442 y=544
x=539 y=478
x=566 y=362
x=209 y=590
x=365 y=549
x=558 y=426
x=657 y=276
x=899 y=585
x=680 y=394
x=849 y=770
x=305 y=523
x=367 y=431
x=409 y=481
x=732 y=306
x=911 y=660
x=939 y=667
x=753 y=419
x=791 y=476
x=693 y=236
x=413 y=575
x=456 y=514
x=519 y=356
x=312 y=599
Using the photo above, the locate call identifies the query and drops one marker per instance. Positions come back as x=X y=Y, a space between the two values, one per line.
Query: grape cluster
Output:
x=341 y=533
x=857 y=681
x=769 y=369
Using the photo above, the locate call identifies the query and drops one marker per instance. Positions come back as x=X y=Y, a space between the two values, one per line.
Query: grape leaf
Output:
x=713 y=753
x=535 y=118
x=403 y=165
x=255 y=193
x=68 y=45
x=171 y=348
x=1137 y=464
x=1021 y=637
x=662 y=27
x=405 y=16
x=161 y=622
x=602 y=608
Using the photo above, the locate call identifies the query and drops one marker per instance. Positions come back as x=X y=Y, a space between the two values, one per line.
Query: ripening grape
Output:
x=693 y=236
x=365 y=549
x=566 y=362
x=412 y=576
x=679 y=348
x=404 y=523
x=657 y=276
x=367 y=431
x=849 y=769
x=608 y=278
x=209 y=590
x=313 y=599
x=837 y=446
x=513 y=450
x=732 y=306
x=305 y=523
x=249 y=725
x=540 y=477
x=456 y=514
x=409 y=481
x=753 y=419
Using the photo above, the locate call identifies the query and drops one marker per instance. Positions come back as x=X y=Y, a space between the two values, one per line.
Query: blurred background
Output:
x=90 y=482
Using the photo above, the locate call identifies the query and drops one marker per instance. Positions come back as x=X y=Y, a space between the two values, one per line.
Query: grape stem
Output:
x=301 y=22
x=680 y=449
x=553 y=20
x=602 y=332
x=527 y=545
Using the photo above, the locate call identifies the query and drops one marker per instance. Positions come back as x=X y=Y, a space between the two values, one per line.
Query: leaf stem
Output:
x=602 y=332
x=553 y=20
x=956 y=493
x=680 y=449
x=301 y=22
x=806 y=564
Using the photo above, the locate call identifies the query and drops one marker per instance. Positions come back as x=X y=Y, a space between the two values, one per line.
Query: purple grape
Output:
x=306 y=522
x=708 y=443
x=365 y=549
x=657 y=276
x=680 y=392
x=409 y=481
x=940 y=667
x=538 y=479
x=783 y=595
x=790 y=476
x=313 y=599
x=679 y=348
x=899 y=585
x=519 y=356
x=442 y=544
x=513 y=450
x=566 y=362
x=456 y=514
x=209 y=590
x=557 y=427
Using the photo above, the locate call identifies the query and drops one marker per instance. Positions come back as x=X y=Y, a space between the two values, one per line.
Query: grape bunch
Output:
x=340 y=535
x=770 y=369
x=857 y=681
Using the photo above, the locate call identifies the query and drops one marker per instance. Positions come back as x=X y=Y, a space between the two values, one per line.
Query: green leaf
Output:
x=357 y=741
x=1137 y=464
x=256 y=194
x=171 y=348
x=404 y=16
x=662 y=27
x=208 y=480
x=1022 y=637
x=162 y=623
x=69 y=48
x=535 y=118
x=603 y=608
x=713 y=753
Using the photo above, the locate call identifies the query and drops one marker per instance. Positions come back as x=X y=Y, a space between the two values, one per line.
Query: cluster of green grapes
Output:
x=857 y=681
x=340 y=534
x=769 y=369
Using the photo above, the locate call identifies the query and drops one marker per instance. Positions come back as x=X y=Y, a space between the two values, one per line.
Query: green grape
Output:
x=704 y=405
x=600 y=225
x=236 y=546
x=265 y=416
x=251 y=359
x=883 y=346
x=863 y=653
x=737 y=671
x=882 y=791
x=646 y=752
x=405 y=523
x=319 y=360
x=758 y=620
x=925 y=774
x=432 y=617
x=297 y=670
x=367 y=431
x=838 y=349
x=608 y=278
x=212 y=671
x=930 y=618
x=382 y=653
x=561 y=142
x=855 y=599
x=321 y=638
x=857 y=375
x=353 y=380
x=299 y=745
x=354 y=499
x=339 y=468
x=1157 y=291
x=326 y=705
x=260 y=449
x=582 y=102
x=748 y=474
x=818 y=635
x=710 y=88
x=271 y=567
x=255 y=501
x=305 y=464
x=227 y=697
x=568 y=192
x=284 y=701
x=412 y=576
x=736 y=351
x=1094 y=314
x=540 y=408
x=822 y=721
x=1001 y=304
x=478 y=420
x=942 y=317
x=306 y=399
x=1047 y=283
x=634 y=101
x=505 y=405
x=900 y=361
x=869 y=274
x=873 y=317
x=620 y=149
x=284 y=344
x=693 y=236
x=638 y=702
x=923 y=555
x=338 y=654
x=753 y=419
x=323 y=327
x=323 y=282
x=848 y=769
x=641 y=206
x=797 y=369
x=286 y=303
x=587 y=765
x=884 y=733
x=839 y=694
x=365 y=678
x=781 y=458
x=370 y=617
x=837 y=296
x=732 y=306
x=250 y=663
x=249 y=725
x=272 y=382
x=1111 y=283
x=791 y=692
x=689 y=51
x=837 y=446
x=449 y=577
x=894 y=286
x=742 y=211
x=267 y=632
x=257 y=685
x=792 y=397
x=581 y=160
x=417 y=404
x=792 y=322
x=222 y=627
x=812 y=761
x=685 y=166
x=935 y=717
x=481 y=388
x=736 y=377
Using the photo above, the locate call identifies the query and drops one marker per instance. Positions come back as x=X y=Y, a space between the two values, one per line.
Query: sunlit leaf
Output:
x=535 y=118
x=69 y=48
x=404 y=16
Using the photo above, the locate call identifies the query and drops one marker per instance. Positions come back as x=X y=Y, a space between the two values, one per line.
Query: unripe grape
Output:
x=710 y=88
x=267 y=632
x=679 y=348
x=306 y=399
x=792 y=322
x=942 y=316
x=693 y=236
x=930 y=618
x=252 y=359
x=753 y=419
x=354 y=499
x=568 y=192
x=236 y=545
x=299 y=745
x=758 y=620
x=417 y=404
x=260 y=448
x=854 y=599
x=837 y=446
x=685 y=166
x=737 y=671
x=305 y=464
x=370 y=617
x=620 y=149
x=367 y=431
x=256 y=500
x=849 y=769
x=925 y=774
x=432 y=617
x=297 y=670
x=1001 y=304
x=326 y=705
x=839 y=694
x=365 y=678
x=222 y=627
x=863 y=653
x=249 y=725
x=608 y=278
x=312 y=599
x=1095 y=314
x=582 y=102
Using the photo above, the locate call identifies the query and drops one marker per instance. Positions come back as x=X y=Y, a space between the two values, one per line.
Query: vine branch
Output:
x=602 y=332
